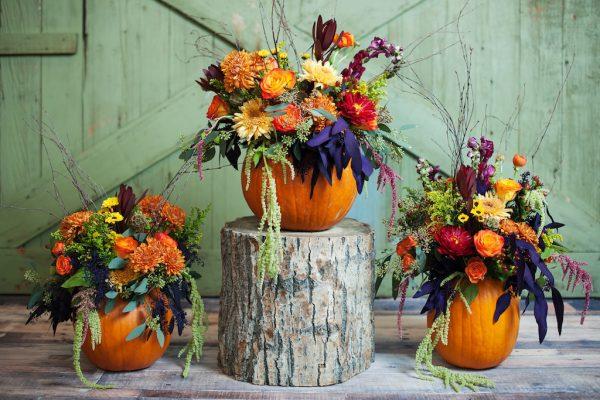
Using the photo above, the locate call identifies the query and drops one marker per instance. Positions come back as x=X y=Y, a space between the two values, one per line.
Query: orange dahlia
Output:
x=240 y=68
x=146 y=256
x=288 y=121
x=72 y=225
x=322 y=102
x=360 y=110
x=173 y=259
x=173 y=214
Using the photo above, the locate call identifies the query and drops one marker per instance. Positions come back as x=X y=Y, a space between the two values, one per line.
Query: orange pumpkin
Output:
x=114 y=353
x=474 y=340
x=299 y=212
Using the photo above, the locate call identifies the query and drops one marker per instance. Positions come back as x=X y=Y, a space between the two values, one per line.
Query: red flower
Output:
x=165 y=239
x=288 y=121
x=63 y=265
x=360 y=110
x=454 y=241
x=405 y=245
x=58 y=249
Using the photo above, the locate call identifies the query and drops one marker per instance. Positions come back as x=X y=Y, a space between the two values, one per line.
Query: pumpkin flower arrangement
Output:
x=304 y=130
x=120 y=275
x=486 y=239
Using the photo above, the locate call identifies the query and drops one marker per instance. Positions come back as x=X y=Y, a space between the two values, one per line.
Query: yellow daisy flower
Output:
x=252 y=122
x=463 y=218
x=113 y=217
x=264 y=53
x=283 y=54
x=110 y=202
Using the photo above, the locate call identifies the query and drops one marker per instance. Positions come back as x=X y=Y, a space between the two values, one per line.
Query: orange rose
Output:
x=475 y=269
x=405 y=245
x=277 y=81
x=345 y=40
x=165 y=239
x=58 y=249
x=288 y=121
x=507 y=189
x=519 y=161
x=63 y=265
x=488 y=243
x=407 y=262
x=218 y=108
x=124 y=246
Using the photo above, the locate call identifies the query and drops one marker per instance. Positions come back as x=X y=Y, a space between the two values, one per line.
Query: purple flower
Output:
x=486 y=149
x=576 y=275
x=472 y=143
x=434 y=172
x=378 y=46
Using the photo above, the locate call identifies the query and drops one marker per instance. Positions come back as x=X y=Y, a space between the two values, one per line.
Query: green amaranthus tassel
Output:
x=78 y=340
x=424 y=359
x=194 y=346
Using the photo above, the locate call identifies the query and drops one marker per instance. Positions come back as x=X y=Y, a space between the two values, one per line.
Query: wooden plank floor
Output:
x=36 y=364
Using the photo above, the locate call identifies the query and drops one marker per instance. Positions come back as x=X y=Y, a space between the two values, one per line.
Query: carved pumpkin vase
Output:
x=474 y=340
x=299 y=212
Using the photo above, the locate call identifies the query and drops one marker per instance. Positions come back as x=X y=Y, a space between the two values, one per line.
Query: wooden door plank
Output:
x=37 y=43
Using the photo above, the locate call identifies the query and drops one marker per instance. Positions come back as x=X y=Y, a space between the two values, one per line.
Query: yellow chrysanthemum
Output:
x=463 y=218
x=322 y=74
x=252 y=122
x=283 y=54
x=110 y=202
x=490 y=206
x=306 y=55
x=264 y=53
x=239 y=70
x=113 y=217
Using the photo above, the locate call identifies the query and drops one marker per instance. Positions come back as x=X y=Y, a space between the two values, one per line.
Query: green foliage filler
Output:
x=78 y=339
x=194 y=346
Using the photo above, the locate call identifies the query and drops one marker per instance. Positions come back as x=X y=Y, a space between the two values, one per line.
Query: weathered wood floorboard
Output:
x=36 y=364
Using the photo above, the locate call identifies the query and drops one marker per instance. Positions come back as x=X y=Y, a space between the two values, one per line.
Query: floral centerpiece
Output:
x=487 y=239
x=120 y=275
x=312 y=132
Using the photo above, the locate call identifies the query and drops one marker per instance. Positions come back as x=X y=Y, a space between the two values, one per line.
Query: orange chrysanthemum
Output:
x=147 y=256
x=522 y=230
x=173 y=214
x=72 y=225
x=240 y=68
x=152 y=204
x=320 y=102
x=173 y=260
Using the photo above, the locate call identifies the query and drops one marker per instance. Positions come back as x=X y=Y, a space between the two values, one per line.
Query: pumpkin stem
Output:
x=78 y=340
x=194 y=346
x=424 y=359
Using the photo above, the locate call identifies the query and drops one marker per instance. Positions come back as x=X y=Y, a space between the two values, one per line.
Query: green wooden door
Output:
x=115 y=79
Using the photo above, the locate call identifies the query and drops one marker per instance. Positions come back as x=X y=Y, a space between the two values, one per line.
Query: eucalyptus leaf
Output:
x=187 y=154
x=140 y=237
x=132 y=305
x=77 y=279
x=209 y=154
x=137 y=331
x=319 y=112
x=470 y=292
x=142 y=287
x=116 y=263
x=111 y=295
x=384 y=128
x=127 y=232
x=110 y=304
x=547 y=253
x=160 y=336
x=35 y=296
x=276 y=107
x=211 y=137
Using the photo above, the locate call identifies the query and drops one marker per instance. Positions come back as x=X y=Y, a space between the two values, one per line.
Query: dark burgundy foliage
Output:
x=127 y=201
x=336 y=146
x=212 y=72
x=59 y=307
x=323 y=34
x=465 y=182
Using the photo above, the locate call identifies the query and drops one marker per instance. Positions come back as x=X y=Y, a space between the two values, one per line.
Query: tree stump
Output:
x=311 y=326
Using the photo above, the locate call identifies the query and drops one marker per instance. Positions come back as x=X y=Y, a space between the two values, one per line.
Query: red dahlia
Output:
x=454 y=241
x=360 y=110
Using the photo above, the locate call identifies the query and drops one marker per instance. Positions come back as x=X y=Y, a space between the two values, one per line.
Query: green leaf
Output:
x=378 y=283
x=137 y=331
x=407 y=127
x=256 y=158
x=110 y=304
x=132 y=305
x=140 y=237
x=35 y=296
x=384 y=128
x=547 y=253
x=160 y=336
x=127 y=232
x=77 y=279
x=111 y=295
x=470 y=292
x=187 y=154
x=319 y=112
x=297 y=152
x=395 y=286
x=211 y=137
x=142 y=287
x=277 y=107
x=209 y=154
x=116 y=263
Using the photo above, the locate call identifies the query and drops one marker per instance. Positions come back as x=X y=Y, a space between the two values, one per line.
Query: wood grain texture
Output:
x=37 y=43
x=313 y=324
x=37 y=364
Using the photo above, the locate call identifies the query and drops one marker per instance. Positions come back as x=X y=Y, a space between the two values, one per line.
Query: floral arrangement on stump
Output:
x=487 y=240
x=312 y=135
x=120 y=275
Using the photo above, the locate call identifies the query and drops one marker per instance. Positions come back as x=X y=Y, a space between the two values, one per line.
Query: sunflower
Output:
x=72 y=225
x=240 y=68
x=173 y=260
x=322 y=74
x=146 y=257
x=252 y=122
x=320 y=102
x=490 y=206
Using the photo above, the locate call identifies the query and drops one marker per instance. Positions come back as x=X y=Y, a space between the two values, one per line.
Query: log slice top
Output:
x=347 y=227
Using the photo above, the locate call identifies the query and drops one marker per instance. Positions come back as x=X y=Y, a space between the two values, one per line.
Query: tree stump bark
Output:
x=311 y=326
